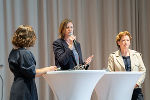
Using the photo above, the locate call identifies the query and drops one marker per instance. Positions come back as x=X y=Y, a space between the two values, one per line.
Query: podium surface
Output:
x=117 y=85
x=74 y=84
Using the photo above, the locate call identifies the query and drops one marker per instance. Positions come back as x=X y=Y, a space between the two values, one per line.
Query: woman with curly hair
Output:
x=22 y=64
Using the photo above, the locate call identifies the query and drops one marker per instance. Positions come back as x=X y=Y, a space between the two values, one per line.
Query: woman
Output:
x=66 y=49
x=127 y=60
x=22 y=64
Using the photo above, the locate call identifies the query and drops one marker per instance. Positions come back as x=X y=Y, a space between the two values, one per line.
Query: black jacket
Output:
x=64 y=57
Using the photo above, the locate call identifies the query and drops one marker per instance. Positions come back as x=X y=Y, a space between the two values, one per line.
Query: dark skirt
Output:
x=137 y=94
x=23 y=89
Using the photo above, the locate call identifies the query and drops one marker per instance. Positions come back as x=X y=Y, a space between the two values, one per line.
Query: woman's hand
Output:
x=136 y=86
x=41 y=71
x=51 y=68
x=70 y=41
x=88 y=60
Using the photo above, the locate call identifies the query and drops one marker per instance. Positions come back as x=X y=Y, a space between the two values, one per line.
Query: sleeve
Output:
x=110 y=63
x=27 y=65
x=141 y=69
x=61 y=54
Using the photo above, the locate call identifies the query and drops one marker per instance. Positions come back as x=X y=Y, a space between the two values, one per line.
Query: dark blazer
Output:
x=64 y=57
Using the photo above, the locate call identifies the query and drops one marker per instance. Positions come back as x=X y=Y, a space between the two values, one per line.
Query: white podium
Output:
x=74 y=84
x=117 y=85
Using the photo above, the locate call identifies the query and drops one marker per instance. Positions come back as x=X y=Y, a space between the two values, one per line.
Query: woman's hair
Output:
x=63 y=27
x=24 y=36
x=119 y=36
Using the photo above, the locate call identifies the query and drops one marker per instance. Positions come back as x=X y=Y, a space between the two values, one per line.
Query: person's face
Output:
x=124 y=43
x=68 y=29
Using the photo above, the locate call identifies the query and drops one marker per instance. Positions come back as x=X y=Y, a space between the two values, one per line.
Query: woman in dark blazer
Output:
x=66 y=49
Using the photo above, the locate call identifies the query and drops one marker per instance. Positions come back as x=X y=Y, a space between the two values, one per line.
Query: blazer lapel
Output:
x=131 y=59
x=77 y=47
x=64 y=43
x=120 y=59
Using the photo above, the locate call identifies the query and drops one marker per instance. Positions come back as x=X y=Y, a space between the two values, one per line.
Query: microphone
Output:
x=71 y=33
x=74 y=41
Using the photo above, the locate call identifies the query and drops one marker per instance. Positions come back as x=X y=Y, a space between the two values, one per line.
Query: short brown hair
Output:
x=62 y=27
x=24 y=36
x=119 y=36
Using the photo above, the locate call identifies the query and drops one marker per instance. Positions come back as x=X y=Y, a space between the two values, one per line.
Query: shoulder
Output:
x=112 y=55
x=115 y=53
x=24 y=51
x=17 y=54
x=58 y=41
x=13 y=56
x=135 y=53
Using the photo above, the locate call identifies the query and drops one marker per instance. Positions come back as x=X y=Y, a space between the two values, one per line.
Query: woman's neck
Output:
x=125 y=52
x=15 y=47
x=66 y=38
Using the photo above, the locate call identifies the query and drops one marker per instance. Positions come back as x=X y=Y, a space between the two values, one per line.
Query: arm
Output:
x=41 y=71
x=141 y=69
x=27 y=65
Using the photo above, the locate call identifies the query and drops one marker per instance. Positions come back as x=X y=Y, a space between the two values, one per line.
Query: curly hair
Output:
x=62 y=27
x=24 y=36
x=119 y=36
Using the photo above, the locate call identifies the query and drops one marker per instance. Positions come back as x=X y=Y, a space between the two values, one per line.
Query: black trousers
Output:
x=137 y=94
